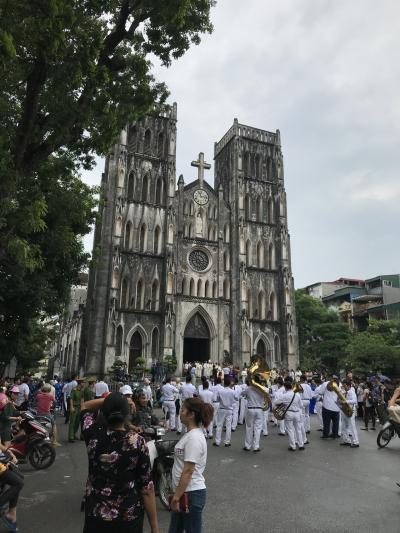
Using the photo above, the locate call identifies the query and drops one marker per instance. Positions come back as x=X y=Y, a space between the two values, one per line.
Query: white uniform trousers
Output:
x=254 y=423
x=265 y=423
x=224 y=416
x=349 y=428
x=282 y=427
x=293 y=427
x=216 y=407
x=306 y=414
x=208 y=431
x=318 y=407
x=242 y=410
x=235 y=415
x=302 y=426
x=169 y=405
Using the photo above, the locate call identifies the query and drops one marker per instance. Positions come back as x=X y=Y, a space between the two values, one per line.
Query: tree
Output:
x=170 y=363
x=322 y=336
x=369 y=353
x=27 y=292
x=73 y=73
x=375 y=350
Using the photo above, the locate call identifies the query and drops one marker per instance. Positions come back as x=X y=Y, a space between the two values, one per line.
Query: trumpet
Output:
x=345 y=407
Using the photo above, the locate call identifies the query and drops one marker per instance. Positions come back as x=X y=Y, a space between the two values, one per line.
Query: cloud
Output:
x=327 y=75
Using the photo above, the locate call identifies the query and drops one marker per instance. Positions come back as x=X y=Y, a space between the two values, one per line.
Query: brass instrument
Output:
x=258 y=367
x=345 y=407
x=297 y=387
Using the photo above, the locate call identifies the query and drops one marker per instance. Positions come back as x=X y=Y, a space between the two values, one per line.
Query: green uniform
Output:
x=88 y=393
x=75 y=415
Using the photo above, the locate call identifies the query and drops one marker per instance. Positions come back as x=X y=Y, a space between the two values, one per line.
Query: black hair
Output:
x=115 y=409
x=205 y=384
x=218 y=381
x=188 y=379
x=168 y=379
x=227 y=381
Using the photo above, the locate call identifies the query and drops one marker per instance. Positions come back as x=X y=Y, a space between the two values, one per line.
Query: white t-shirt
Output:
x=191 y=448
x=100 y=388
x=188 y=391
x=23 y=394
x=206 y=395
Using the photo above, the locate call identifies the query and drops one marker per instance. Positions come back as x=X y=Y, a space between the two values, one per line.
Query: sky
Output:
x=327 y=75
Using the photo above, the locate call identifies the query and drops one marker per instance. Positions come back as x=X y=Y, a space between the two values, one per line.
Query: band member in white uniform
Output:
x=169 y=392
x=349 y=428
x=187 y=390
x=254 y=418
x=281 y=390
x=242 y=405
x=317 y=394
x=215 y=389
x=226 y=397
x=235 y=413
x=207 y=396
x=306 y=396
x=293 y=423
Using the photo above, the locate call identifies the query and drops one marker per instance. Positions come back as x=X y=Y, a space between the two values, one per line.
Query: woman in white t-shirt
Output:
x=190 y=459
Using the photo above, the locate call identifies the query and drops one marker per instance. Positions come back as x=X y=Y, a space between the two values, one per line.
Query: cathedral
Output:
x=197 y=271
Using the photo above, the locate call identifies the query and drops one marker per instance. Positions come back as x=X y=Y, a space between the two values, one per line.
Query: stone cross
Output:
x=201 y=165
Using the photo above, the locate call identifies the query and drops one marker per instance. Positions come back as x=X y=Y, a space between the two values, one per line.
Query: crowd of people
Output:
x=209 y=402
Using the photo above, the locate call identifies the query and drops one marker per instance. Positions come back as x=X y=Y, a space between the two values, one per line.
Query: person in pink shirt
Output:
x=44 y=402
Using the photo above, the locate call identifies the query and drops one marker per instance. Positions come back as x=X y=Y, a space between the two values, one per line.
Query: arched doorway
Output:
x=261 y=350
x=135 y=350
x=196 y=342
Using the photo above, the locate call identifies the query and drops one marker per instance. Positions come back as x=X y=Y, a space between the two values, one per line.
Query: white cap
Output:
x=125 y=389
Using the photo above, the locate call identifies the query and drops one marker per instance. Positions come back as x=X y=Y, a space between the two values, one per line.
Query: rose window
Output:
x=198 y=260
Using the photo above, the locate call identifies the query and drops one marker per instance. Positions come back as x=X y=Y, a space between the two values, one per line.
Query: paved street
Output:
x=327 y=488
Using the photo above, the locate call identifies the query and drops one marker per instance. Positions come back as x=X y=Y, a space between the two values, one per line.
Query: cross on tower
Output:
x=201 y=165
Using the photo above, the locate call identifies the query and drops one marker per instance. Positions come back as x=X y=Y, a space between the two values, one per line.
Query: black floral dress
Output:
x=119 y=470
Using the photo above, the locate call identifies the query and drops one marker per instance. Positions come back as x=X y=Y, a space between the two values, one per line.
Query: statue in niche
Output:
x=199 y=224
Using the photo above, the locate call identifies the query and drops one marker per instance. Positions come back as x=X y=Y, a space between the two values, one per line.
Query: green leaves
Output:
x=73 y=73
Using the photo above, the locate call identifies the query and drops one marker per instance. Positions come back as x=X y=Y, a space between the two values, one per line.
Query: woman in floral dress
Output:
x=119 y=487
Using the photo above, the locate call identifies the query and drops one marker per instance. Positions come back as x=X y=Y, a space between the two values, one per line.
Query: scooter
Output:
x=33 y=444
x=389 y=430
x=161 y=460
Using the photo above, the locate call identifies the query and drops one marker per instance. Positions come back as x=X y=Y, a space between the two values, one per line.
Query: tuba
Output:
x=345 y=407
x=280 y=409
x=258 y=367
x=297 y=387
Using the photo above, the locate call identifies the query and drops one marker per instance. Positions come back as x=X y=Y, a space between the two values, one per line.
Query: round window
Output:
x=198 y=260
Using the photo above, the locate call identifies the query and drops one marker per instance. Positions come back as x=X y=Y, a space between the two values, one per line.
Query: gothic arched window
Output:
x=259 y=209
x=131 y=184
x=260 y=255
x=226 y=233
x=139 y=294
x=145 y=189
x=226 y=289
x=200 y=288
x=248 y=253
x=207 y=289
x=247 y=207
x=261 y=305
x=143 y=238
x=214 y=290
x=157 y=240
x=155 y=295
x=192 y=288
x=155 y=344
x=127 y=240
x=132 y=137
x=270 y=210
x=272 y=305
x=147 y=142
x=158 y=195
x=160 y=144
x=124 y=294
x=118 y=341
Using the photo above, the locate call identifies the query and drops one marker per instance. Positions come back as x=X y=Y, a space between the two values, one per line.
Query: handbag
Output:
x=183 y=502
x=280 y=411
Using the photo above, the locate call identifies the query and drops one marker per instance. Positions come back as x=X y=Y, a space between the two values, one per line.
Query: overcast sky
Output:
x=327 y=74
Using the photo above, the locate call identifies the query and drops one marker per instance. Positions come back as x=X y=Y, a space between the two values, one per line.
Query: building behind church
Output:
x=197 y=271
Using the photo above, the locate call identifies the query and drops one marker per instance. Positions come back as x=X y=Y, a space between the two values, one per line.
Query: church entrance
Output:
x=135 y=350
x=196 y=342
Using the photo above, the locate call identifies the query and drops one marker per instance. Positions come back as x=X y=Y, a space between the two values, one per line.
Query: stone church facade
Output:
x=200 y=272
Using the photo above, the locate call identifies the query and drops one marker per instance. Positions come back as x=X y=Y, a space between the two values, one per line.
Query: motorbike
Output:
x=389 y=430
x=32 y=444
x=6 y=460
x=161 y=460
